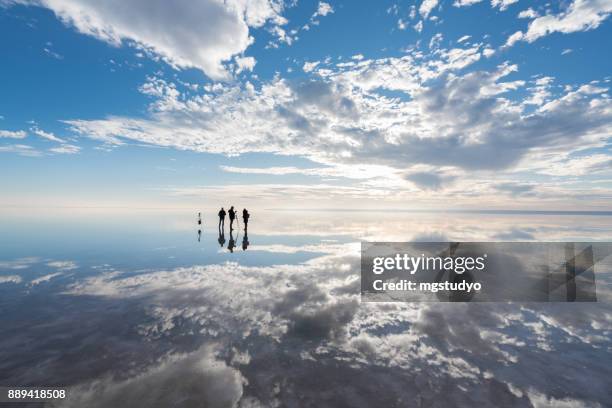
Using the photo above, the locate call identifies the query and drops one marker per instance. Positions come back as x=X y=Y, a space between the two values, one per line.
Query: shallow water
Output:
x=131 y=309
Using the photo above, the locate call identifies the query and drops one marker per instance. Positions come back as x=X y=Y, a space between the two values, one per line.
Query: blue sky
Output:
x=409 y=104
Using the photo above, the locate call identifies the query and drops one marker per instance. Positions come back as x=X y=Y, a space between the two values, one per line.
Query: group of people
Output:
x=233 y=215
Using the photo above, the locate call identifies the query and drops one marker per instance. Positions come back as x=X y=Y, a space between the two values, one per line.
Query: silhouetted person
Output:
x=232 y=243
x=245 y=240
x=222 y=218
x=245 y=218
x=221 y=239
x=199 y=218
x=232 y=216
x=199 y=234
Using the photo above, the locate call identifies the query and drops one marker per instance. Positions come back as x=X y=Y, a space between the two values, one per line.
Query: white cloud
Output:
x=45 y=278
x=21 y=263
x=187 y=34
x=539 y=400
x=540 y=92
x=502 y=4
x=338 y=117
x=426 y=7
x=580 y=15
x=63 y=265
x=309 y=66
x=276 y=171
x=20 y=149
x=358 y=172
x=464 y=38
x=323 y=9
x=10 y=279
x=488 y=52
x=245 y=64
x=529 y=13
x=65 y=149
x=435 y=41
x=561 y=165
x=464 y=3
x=206 y=380
x=49 y=51
x=281 y=37
x=294 y=195
x=45 y=135
x=413 y=12
x=13 y=134
x=514 y=38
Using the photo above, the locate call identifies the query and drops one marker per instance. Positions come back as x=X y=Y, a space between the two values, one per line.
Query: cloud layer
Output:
x=203 y=34
x=441 y=117
x=447 y=123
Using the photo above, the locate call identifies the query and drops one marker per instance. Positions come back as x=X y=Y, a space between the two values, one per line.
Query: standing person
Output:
x=221 y=219
x=199 y=218
x=245 y=218
x=232 y=216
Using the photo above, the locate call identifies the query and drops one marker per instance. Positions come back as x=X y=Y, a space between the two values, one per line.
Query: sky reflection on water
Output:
x=131 y=310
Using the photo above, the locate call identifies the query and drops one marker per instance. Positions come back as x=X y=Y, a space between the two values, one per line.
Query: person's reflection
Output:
x=232 y=243
x=221 y=239
x=199 y=235
x=570 y=272
x=245 y=240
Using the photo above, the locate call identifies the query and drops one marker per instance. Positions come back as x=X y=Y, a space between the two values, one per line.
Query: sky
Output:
x=433 y=104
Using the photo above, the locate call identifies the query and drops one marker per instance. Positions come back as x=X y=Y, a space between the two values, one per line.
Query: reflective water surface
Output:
x=140 y=309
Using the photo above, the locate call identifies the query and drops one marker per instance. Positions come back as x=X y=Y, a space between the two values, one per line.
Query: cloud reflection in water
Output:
x=289 y=330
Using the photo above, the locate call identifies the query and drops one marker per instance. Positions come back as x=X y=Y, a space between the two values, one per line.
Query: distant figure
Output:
x=199 y=234
x=232 y=243
x=245 y=240
x=232 y=216
x=245 y=218
x=221 y=239
x=222 y=218
x=199 y=218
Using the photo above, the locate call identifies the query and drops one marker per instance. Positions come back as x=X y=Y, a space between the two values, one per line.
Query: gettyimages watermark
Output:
x=483 y=271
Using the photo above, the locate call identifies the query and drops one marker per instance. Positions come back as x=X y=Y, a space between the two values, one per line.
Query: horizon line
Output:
x=405 y=210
